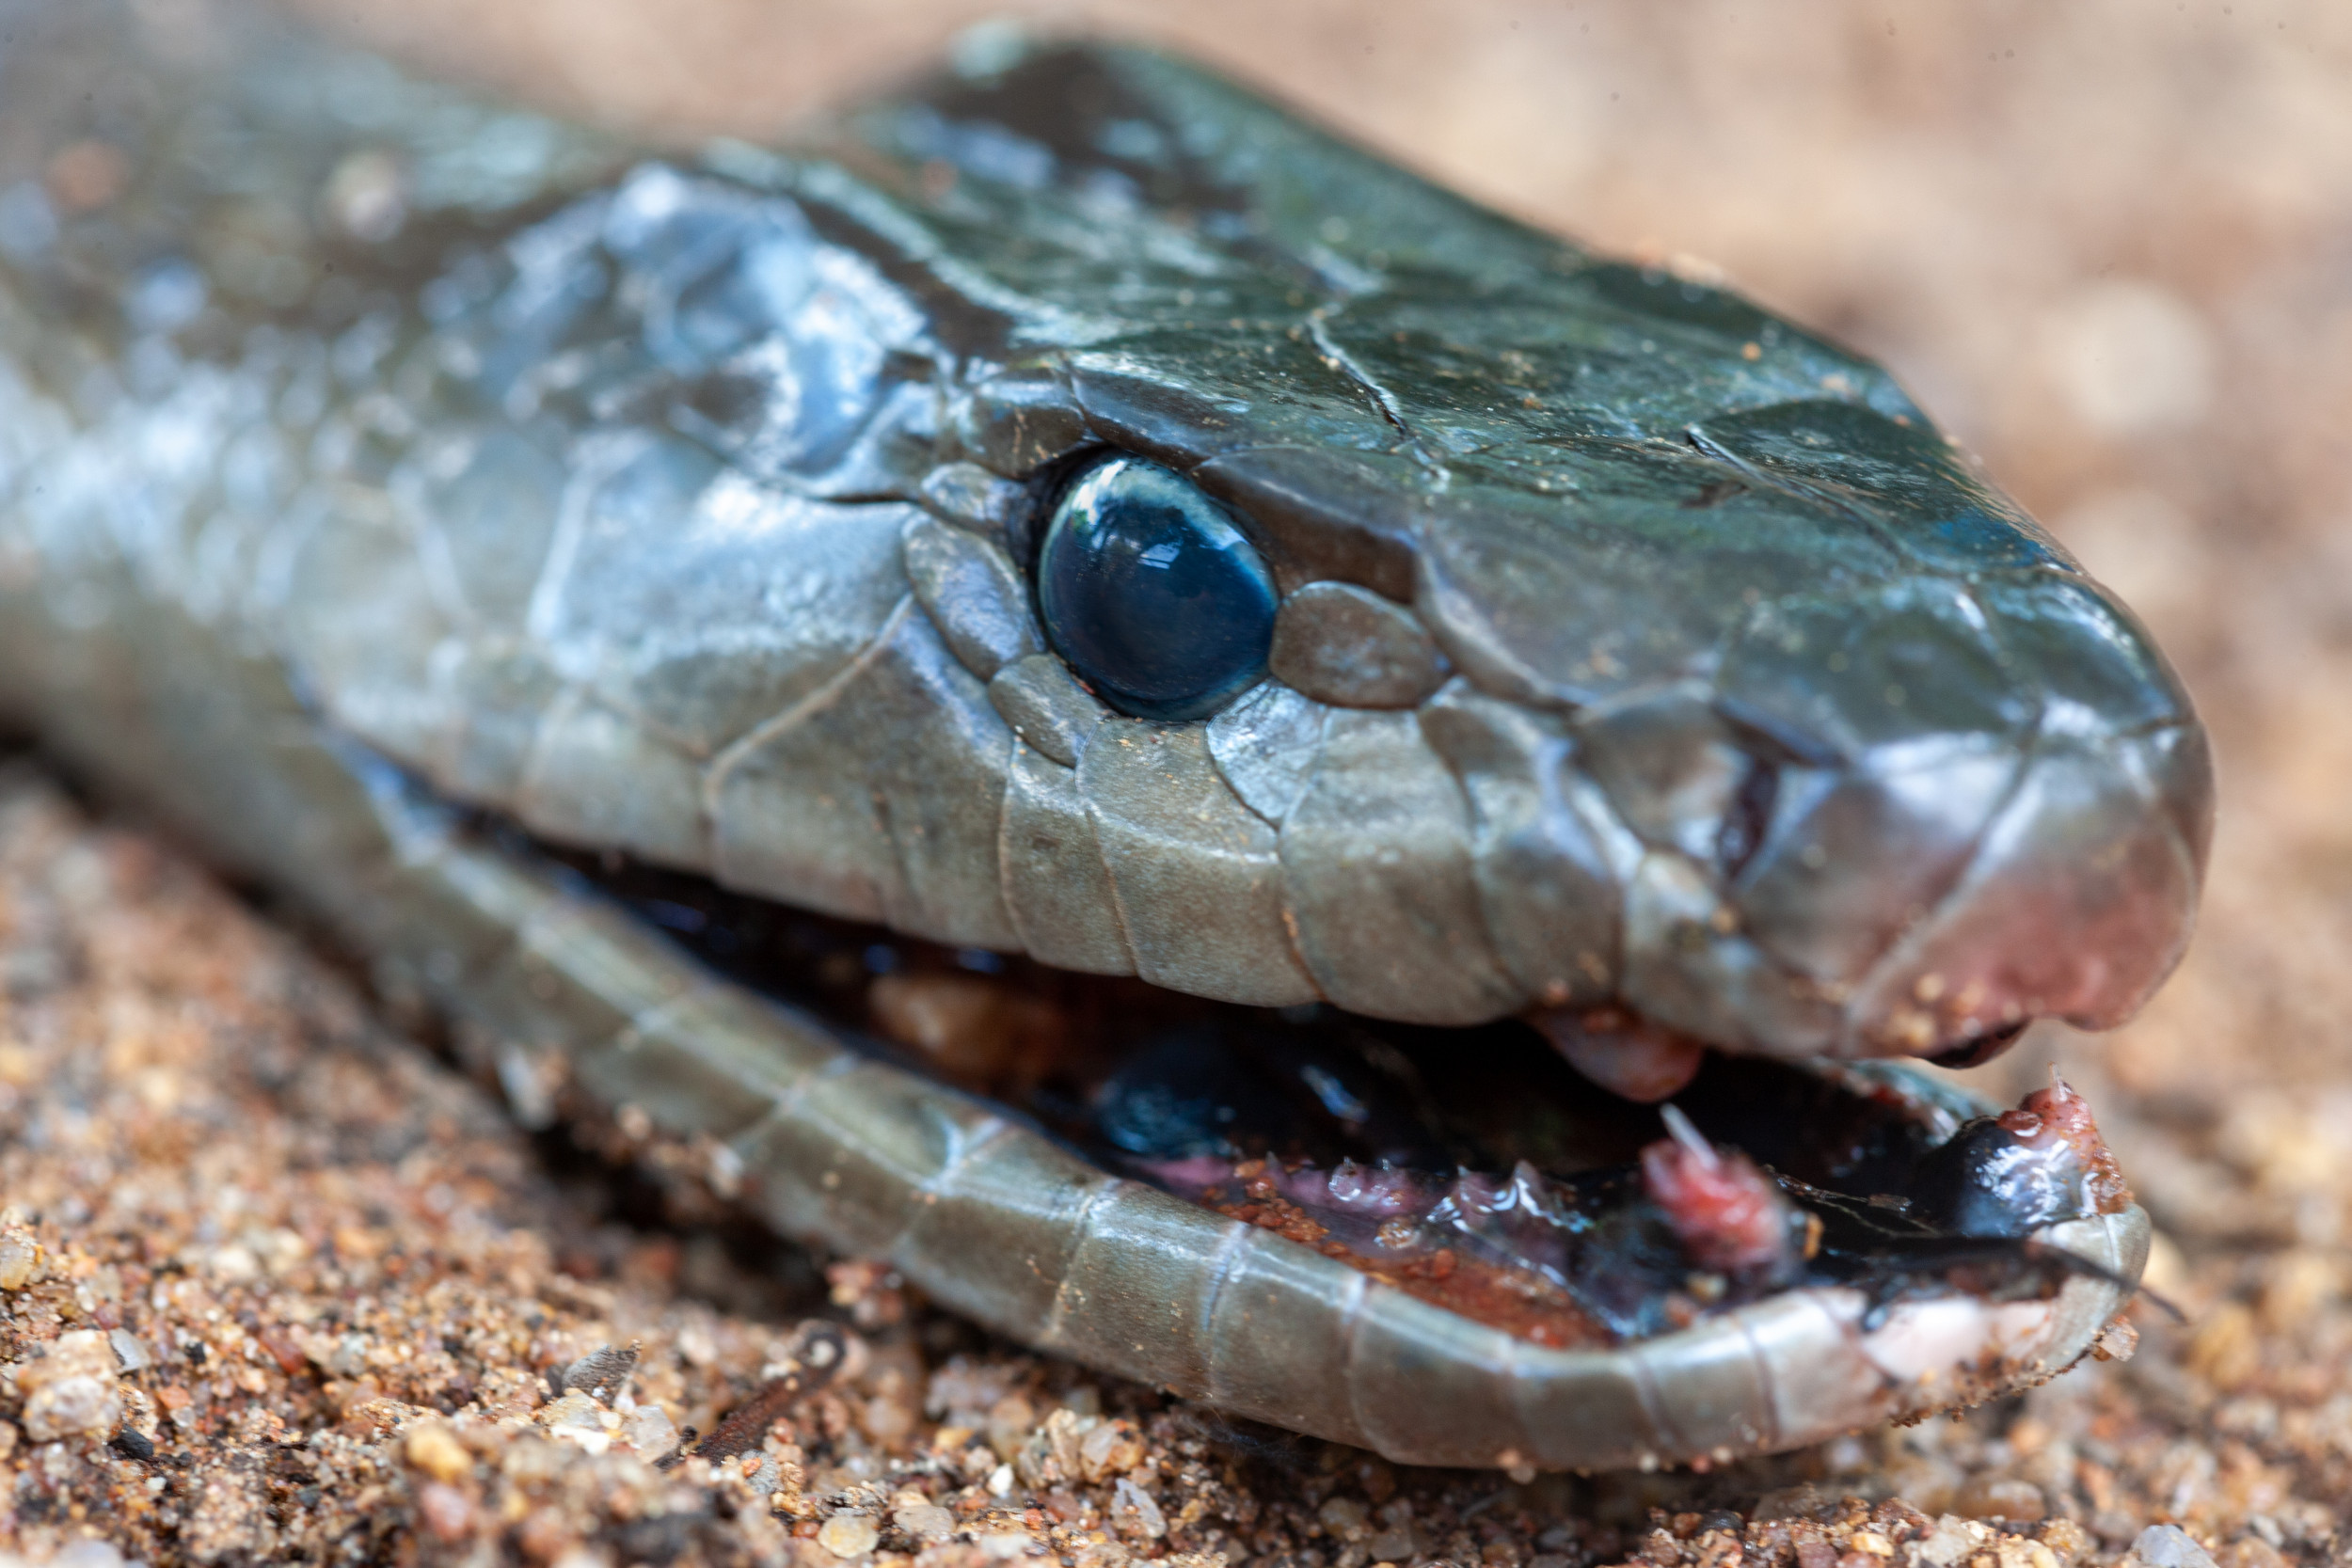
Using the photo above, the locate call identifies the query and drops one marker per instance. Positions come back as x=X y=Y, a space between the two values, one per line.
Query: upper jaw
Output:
x=1761 y=860
x=1959 y=902
x=1974 y=792
x=2027 y=842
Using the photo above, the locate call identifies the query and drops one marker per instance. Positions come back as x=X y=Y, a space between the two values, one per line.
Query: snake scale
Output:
x=403 y=494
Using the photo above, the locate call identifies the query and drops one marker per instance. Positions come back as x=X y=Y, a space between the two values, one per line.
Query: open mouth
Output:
x=1470 y=1167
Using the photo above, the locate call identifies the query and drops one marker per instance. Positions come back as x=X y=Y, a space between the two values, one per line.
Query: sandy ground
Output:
x=326 y=1295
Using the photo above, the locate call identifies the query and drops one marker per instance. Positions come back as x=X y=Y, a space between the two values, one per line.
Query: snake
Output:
x=1072 y=545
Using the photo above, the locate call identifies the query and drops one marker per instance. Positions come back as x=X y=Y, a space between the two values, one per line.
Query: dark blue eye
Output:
x=1151 y=593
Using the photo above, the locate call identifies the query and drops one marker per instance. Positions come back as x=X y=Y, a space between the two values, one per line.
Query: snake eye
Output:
x=1151 y=594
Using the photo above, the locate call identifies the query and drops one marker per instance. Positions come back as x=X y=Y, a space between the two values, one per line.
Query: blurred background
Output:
x=2107 y=244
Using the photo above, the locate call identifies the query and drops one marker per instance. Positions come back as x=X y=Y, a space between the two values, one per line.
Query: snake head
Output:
x=1098 y=516
x=1634 y=646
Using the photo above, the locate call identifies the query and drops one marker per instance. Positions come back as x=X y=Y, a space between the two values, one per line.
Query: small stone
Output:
x=888 y=1421
x=847 y=1535
x=71 y=1390
x=650 y=1431
x=233 y=1264
x=87 y=1553
x=1344 y=1517
x=435 y=1450
x=2000 y=1497
x=601 y=1373
x=1802 y=1501
x=20 y=1258
x=448 y=1512
x=1953 y=1540
x=2170 y=1546
x=2118 y=1341
x=2065 y=1539
x=695 y=1346
x=2252 y=1551
x=925 y=1522
x=1059 y=1441
x=1111 y=1448
x=346 y=1356
x=1008 y=1423
x=70 y=1406
x=1134 y=1513
x=578 y=1418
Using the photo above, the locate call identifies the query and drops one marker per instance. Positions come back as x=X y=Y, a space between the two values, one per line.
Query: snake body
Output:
x=368 y=452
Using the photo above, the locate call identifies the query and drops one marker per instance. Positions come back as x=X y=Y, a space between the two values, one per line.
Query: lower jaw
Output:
x=1471 y=1167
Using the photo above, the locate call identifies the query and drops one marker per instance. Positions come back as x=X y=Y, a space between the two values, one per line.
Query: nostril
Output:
x=1748 y=818
x=1980 y=1049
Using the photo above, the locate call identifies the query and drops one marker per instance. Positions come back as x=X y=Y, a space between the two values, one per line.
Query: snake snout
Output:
x=2006 y=817
x=2077 y=904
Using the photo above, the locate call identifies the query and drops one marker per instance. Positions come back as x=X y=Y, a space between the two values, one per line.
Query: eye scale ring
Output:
x=1149 y=593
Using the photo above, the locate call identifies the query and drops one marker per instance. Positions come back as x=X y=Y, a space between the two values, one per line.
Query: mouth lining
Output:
x=1471 y=1167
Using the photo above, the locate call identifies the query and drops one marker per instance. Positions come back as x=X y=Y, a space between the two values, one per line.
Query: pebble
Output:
x=71 y=1390
x=1110 y=1449
x=1135 y=1512
x=19 y=1256
x=650 y=1431
x=578 y=1418
x=435 y=1450
x=925 y=1522
x=848 y=1535
x=2170 y=1546
x=1953 y=1540
x=2000 y=1497
x=1343 y=1516
x=447 y=1511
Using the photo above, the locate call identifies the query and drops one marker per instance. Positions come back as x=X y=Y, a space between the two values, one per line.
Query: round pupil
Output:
x=1151 y=593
